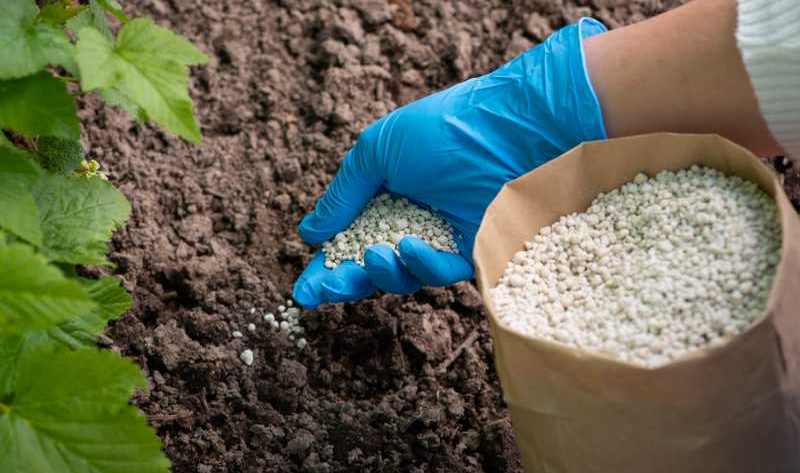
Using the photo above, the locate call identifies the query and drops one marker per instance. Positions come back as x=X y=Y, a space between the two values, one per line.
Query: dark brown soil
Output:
x=288 y=88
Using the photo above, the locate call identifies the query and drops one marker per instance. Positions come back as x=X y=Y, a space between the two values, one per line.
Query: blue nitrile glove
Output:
x=453 y=151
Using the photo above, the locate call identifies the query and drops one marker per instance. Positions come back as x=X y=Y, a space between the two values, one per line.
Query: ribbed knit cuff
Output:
x=768 y=35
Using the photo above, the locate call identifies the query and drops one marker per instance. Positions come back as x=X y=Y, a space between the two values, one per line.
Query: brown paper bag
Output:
x=731 y=409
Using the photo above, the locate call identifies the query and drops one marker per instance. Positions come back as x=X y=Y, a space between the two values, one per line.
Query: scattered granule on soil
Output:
x=287 y=322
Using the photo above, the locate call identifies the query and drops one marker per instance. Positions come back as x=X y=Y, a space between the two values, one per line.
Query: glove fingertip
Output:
x=379 y=257
x=432 y=267
x=348 y=282
x=310 y=231
x=307 y=290
x=305 y=295
x=387 y=271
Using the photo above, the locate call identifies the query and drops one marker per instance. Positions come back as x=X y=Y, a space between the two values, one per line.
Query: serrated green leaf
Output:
x=113 y=7
x=142 y=40
x=92 y=17
x=59 y=155
x=19 y=163
x=117 y=97
x=26 y=46
x=68 y=412
x=149 y=63
x=11 y=348
x=81 y=332
x=58 y=13
x=100 y=66
x=19 y=214
x=35 y=295
x=112 y=299
x=78 y=217
x=38 y=105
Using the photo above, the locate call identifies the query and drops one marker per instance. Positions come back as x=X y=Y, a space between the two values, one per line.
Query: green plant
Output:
x=64 y=404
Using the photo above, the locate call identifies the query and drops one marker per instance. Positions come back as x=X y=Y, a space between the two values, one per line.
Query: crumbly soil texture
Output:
x=391 y=384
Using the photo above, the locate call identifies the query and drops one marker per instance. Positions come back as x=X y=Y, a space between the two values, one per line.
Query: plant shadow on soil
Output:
x=288 y=88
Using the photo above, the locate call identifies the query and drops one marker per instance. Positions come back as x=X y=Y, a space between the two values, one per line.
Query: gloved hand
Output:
x=453 y=151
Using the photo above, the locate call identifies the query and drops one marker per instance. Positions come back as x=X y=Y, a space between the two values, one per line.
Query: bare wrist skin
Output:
x=678 y=72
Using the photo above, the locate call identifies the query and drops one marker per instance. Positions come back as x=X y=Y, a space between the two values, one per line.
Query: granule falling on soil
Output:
x=288 y=87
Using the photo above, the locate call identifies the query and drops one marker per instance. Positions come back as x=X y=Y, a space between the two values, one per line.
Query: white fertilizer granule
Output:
x=247 y=357
x=385 y=221
x=651 y=271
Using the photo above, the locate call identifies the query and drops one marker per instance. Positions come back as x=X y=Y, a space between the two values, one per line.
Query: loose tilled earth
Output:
x=289 y=85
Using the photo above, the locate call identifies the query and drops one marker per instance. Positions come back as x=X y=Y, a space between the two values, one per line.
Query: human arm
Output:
x=683 y=72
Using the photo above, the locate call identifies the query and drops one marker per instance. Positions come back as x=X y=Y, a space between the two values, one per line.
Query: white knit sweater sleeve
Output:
x=768 y=35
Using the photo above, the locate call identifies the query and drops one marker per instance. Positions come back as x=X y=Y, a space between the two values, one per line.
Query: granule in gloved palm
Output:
x=651 y=271
x=385 y=221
